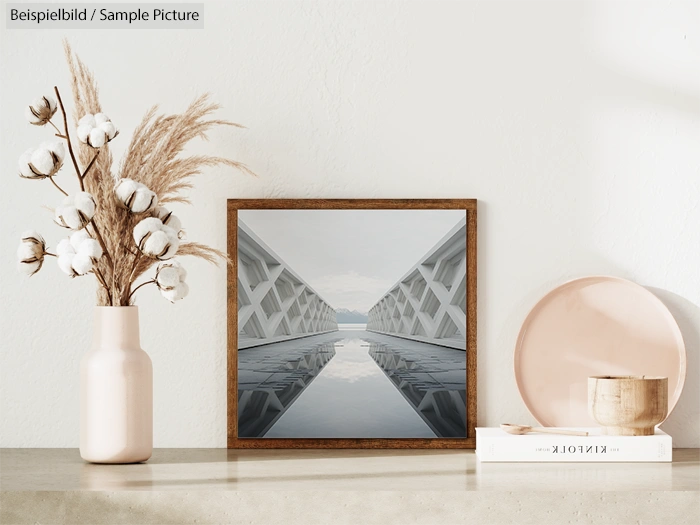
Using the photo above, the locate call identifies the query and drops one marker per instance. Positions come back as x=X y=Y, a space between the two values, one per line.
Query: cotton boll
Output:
x=109 y=129
x=97 y=137
x=100 y=118
x=32 y=236
x=84 y=132
x=41 y=110
x=43 y=161
x=124 y=189
x=173 y=244
x=134 y=196
x=168 y=218
x=65 y=248
x=169 y=274
x=96 y=130
x=77 y=255
x=174 y=223
x=28 y=268
x=75 y=265
x=170 y=252
x=30 y=116
x=48 y=99
x=32 y=240
x=162 y=213
x=155 y=239
x=144 y=227
x=78 y=238
x=81 y=264
x=25 y=169
x=143 y=194
x=170 y=295
x=57 y=148
x=31 y=252
x=90 y=248
x=65 y=263
x=87 y=120
x=69 y=217
x=156 y=244
x=85 y=203
x=168 y=277
x=177 y=293
x=170 y=280
x=142 y=201
x=27 y=251
x=33 y=119
x=76 y=211
x=57 y=151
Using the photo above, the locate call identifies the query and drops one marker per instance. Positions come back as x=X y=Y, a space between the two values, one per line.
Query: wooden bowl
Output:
x=628 y=405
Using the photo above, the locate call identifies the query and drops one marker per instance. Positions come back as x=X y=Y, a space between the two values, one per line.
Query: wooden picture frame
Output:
x=468 y=205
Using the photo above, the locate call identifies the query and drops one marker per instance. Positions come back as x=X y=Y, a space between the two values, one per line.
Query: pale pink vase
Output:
x=116 y=391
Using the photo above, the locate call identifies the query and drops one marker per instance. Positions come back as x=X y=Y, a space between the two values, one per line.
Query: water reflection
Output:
x=350 y=398
x=433 y=382
x=270 y=380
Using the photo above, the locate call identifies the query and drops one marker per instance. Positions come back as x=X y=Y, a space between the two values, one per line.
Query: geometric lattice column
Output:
x=429 y=303
x=274 y=303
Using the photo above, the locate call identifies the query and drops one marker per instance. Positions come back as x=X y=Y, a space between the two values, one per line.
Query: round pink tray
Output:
x=593 y=326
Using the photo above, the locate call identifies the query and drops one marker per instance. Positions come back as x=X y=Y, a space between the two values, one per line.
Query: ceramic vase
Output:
x=116 y=391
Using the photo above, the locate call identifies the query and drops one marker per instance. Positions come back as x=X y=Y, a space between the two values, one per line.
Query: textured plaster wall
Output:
x=576 y=124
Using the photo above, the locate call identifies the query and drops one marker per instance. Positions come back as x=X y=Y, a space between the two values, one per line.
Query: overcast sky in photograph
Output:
x=351 y=257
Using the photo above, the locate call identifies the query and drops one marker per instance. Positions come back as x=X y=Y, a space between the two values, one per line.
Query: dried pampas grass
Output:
x=154 y=159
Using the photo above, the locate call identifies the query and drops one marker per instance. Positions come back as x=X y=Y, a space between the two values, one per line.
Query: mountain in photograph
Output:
x=345 y=316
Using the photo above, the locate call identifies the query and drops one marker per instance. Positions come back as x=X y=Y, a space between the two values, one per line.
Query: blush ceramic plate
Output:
x=593 y=326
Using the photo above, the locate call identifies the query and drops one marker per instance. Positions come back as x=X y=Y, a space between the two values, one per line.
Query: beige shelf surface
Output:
x=219 y=469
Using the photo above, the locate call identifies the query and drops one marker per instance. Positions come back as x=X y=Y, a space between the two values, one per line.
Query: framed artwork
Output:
x=351 y=323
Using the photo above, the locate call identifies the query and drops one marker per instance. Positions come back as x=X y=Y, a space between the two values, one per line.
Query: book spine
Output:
x=647 y=449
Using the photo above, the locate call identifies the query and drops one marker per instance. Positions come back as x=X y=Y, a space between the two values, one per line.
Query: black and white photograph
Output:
x=352 y=323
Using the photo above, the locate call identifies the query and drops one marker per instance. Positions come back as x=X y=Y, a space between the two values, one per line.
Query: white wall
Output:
x=576 y=124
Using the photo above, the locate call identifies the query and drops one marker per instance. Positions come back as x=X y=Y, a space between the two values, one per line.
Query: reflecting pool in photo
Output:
x=351 y=383
x=350 y=398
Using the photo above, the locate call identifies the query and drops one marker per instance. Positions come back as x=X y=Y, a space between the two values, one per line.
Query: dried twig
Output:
x=57 y=186
x=67 y=137
x=87 y=170
x=139 y=286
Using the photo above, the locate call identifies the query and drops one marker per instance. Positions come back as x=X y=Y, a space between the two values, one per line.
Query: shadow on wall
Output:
x=685 y=419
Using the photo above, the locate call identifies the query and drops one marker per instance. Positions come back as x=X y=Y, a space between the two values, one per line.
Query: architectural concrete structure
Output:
x=274 y=303
x=429 y=303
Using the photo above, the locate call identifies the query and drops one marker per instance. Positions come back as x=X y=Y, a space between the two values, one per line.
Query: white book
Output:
x=494 y=444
